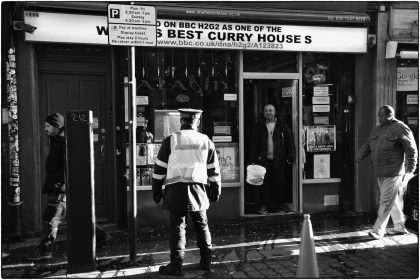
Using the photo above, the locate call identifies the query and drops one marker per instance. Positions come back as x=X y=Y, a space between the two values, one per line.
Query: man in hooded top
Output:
x=54 y=187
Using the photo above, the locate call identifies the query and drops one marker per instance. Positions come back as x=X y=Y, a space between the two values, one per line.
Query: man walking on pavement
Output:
x=54 y=187
x=187 y=165
x=394 y=158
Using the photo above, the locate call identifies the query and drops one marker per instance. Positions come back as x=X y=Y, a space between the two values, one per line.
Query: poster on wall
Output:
x=321 y=120
x=321 y=91
x=320 y=108
x=142 y=100
x=146 y=175
x=152 y=152
x=287 y=92
x=320 y=138
x=321 y=166
x=321 y=100
x=141 y=154
x=407 y=79
x=412 y=99
x=228 y=155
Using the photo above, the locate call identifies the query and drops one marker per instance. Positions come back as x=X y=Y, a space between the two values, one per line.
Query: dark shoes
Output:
x=38 y=255
x=171 y=269
x=205 y=263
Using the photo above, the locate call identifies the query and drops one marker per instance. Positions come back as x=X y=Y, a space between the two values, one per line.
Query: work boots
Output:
x=175 y=266
x=205 y=261
x=174 y=269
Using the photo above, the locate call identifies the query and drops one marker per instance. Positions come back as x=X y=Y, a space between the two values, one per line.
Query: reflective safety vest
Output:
x=188 y=159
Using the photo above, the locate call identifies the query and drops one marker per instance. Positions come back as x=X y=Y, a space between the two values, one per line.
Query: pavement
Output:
x=257 y=247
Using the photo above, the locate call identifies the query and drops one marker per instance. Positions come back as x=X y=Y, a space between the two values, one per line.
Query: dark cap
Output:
x=190 y=113
x=56 y=120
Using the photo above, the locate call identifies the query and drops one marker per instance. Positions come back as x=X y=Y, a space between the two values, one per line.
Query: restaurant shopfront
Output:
x=223 y=61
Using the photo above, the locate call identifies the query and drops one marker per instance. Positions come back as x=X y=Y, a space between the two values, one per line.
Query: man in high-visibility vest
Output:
x=187 y=165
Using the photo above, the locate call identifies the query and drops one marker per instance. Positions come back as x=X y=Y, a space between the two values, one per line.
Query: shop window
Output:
x=407 y=109
x=169 y=79
x=327 y=114
x=274 y=62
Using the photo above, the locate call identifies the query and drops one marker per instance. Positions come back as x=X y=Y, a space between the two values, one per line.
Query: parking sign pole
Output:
x=132 y=153
x=132 y=25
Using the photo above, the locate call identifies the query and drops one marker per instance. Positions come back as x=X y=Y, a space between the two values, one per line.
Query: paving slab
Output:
x=243 y=250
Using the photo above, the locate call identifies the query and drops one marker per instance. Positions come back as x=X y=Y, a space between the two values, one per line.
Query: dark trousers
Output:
x=53 y=216
x=271 y=193
x=178 y=239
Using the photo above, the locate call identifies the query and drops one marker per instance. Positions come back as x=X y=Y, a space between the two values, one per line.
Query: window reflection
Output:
x=180 y=78
x=275 y=62
x=327 y=113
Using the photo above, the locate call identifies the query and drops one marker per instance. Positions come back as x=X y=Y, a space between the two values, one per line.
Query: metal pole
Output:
x=132 y=153
x=80 y=185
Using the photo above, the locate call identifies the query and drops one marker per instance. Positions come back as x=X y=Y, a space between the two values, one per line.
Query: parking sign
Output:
x=114 y=13
x=132 y=25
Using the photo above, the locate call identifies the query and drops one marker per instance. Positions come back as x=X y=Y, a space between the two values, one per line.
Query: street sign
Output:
x=131 y=25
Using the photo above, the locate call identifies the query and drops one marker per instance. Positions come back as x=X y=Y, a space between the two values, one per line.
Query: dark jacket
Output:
x=283 y=141
x=390 y=146
x=55 y=166
x=183 y=196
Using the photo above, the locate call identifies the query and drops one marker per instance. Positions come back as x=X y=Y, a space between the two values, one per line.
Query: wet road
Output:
x=260 y=247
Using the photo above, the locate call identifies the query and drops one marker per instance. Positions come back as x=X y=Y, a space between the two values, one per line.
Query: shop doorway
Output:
x=281 y=93
x=77 y=85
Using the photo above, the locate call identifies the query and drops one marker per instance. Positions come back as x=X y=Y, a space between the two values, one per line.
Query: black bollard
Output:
x=80 y=192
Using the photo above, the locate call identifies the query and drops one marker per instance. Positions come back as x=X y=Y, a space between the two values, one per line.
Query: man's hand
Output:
x=214 y=195
x=157 y=196
x=357 y=158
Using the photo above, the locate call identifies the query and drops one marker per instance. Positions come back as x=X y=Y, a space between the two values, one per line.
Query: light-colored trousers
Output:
x=390 y=203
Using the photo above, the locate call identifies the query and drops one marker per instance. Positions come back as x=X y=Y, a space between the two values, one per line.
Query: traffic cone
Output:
x=307 y=263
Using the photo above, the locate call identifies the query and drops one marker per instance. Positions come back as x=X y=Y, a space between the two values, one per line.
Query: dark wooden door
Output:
x=73 y=91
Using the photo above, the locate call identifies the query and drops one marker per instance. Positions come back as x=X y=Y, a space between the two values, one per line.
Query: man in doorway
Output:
x=186 y=161
x=54 y=187
x=272 y=147
x=393 y=153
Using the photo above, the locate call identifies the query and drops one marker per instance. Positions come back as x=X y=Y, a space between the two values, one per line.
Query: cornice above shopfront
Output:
x=303 y=13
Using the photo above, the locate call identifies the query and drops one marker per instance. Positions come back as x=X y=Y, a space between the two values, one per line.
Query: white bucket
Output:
x=255 y=174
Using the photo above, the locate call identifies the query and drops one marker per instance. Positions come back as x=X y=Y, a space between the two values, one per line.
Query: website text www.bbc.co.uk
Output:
x=241 y=45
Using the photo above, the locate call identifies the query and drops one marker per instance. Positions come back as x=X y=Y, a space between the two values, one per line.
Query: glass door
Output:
x=278 y=194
